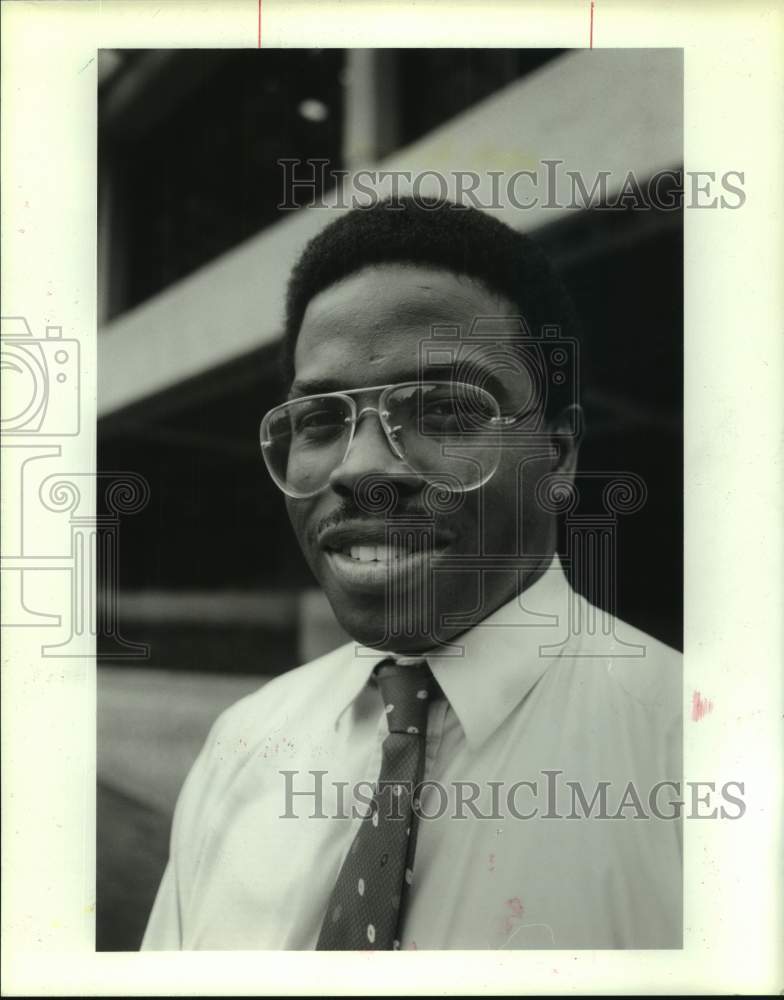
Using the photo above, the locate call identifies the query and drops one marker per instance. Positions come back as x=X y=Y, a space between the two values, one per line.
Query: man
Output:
x=483 y=767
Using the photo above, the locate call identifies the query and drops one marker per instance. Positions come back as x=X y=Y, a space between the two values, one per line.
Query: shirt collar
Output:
x=493 y=665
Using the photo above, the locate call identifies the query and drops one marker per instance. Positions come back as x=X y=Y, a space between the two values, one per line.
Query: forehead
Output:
x=375 y=324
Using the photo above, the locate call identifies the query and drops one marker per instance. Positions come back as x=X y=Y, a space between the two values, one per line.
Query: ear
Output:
x=566 y=430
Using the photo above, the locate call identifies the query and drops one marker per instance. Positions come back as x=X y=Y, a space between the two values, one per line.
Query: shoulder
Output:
x=259 y=727
x=630 y=664
x=624 y=687
x=654 y=676
x=292 y=693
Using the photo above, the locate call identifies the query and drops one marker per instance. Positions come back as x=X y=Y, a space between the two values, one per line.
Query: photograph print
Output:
x=390 y=356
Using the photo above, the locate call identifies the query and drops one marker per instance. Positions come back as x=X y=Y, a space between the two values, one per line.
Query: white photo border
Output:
x=734 y=371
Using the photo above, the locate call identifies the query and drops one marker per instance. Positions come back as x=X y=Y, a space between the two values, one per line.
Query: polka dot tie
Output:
x=366 y=907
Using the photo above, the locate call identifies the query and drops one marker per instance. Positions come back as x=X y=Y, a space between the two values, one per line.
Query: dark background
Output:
x=188 y=144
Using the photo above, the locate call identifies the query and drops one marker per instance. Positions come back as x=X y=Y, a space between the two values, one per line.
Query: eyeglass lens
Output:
x=442 y=430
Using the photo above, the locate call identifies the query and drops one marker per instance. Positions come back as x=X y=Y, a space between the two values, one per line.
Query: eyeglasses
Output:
x=448 y=432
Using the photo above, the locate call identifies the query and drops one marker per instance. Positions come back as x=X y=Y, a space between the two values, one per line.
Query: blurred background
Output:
x=192 y=264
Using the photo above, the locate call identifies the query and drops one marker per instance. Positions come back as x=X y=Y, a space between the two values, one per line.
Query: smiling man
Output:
x=492 y=763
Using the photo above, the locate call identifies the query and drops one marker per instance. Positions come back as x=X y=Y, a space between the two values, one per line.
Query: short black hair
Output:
x=440 y=234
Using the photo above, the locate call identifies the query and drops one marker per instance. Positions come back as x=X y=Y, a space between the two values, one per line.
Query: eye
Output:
x=318 y=422
x=450 y=412
x=439 y=408
x=439 y=413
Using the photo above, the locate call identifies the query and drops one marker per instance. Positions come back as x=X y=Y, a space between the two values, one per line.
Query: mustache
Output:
x=350 y=510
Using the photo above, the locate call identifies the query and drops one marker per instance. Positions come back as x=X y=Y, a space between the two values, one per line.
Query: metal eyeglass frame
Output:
x=382 y=413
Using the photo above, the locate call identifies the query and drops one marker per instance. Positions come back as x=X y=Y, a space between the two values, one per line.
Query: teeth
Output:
x=373 y=553
x=370 y=553
x=381 y=553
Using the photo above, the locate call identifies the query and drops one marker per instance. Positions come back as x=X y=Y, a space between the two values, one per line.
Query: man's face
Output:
x=368 y=330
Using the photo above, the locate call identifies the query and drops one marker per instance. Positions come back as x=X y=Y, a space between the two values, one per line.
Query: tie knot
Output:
x=407 y=687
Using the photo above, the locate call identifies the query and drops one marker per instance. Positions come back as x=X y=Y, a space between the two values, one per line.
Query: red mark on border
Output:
x=592 y=2
x=700 y=706
x=260 y=23
x=516 y=910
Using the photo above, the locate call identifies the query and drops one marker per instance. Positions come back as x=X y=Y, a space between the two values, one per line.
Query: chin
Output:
x=371 y=627
x=406 y=620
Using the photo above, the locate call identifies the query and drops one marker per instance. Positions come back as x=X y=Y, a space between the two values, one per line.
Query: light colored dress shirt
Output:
x=545 y=696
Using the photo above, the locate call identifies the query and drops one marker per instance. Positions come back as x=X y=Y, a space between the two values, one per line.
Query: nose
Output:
x=370 y=458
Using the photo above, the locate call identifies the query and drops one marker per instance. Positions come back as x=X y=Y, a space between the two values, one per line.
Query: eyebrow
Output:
x=430 y=373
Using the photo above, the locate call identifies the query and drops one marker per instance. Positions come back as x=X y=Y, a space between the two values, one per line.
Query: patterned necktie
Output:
x=366 y=905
